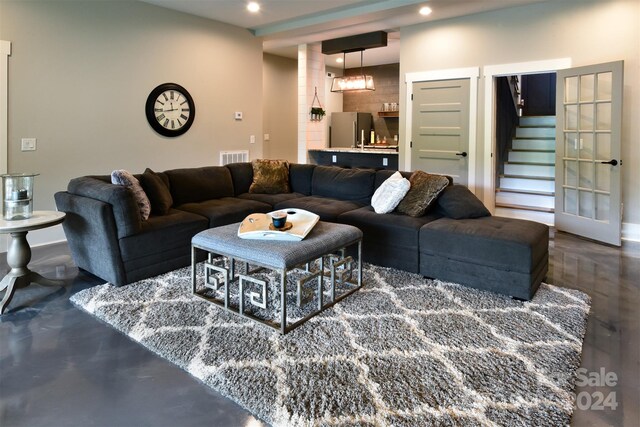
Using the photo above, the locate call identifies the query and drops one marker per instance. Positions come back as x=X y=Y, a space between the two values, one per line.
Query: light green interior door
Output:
x=589 y=114
x=440 y=128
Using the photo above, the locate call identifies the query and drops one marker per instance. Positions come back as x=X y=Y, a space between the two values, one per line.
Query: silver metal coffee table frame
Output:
x=337 y=273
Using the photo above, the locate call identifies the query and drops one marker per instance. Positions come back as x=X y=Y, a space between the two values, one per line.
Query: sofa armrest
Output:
x=90 y=229
x=124 y=207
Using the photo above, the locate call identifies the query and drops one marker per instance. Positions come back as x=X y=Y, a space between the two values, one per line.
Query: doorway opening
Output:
x=525 y=133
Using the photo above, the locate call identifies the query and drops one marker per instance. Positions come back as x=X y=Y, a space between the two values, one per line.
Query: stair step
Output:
x=519 y=183
x=512 y=190
x=532 y=156
x=533 y=200
x=535 y=132
x=549 y=121
x=533 y=144
x=543 y=217
x=530 y=169
x=524 y=207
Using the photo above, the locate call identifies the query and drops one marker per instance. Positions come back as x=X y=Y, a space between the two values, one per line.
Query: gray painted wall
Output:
x=587 y=31
x=280 y=107
x=80 y=73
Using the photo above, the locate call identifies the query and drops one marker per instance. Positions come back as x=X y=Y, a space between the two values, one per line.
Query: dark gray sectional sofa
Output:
x=109 y=239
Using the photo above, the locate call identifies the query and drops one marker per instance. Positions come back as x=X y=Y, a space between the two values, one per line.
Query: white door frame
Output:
x=490 y=72
x=5 y=51
x=472 y=74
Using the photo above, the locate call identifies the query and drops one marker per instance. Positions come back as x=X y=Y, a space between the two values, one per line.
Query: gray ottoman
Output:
x=504 y=255
x=282 y=257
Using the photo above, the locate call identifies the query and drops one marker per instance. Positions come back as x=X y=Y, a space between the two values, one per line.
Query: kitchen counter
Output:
x=371 y=158
x=388 y=149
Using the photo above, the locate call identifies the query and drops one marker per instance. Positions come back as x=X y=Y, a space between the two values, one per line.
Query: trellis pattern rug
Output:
x=402 y=351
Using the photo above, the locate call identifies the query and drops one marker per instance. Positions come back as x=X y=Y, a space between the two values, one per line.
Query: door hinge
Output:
x=412 y=97
x=410 y=144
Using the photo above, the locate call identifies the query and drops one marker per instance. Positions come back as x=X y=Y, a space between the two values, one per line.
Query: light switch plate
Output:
x=385 y=161
x=28 y=144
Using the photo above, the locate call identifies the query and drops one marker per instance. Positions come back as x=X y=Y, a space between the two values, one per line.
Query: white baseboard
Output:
x=630 y=232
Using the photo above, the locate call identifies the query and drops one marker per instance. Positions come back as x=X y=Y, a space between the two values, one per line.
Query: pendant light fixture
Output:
x=352 y=83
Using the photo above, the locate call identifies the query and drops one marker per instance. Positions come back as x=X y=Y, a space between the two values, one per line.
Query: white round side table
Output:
x=19 y=253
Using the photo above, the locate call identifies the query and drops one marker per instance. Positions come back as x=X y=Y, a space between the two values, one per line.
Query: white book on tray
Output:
x=257 y=226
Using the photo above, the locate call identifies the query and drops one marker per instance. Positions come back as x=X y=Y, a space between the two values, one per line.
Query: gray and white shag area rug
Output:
x=402 y=351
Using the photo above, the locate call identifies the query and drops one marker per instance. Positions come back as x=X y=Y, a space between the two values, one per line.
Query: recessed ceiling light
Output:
x=253 y=7
x=425 y=11
x=339 y=60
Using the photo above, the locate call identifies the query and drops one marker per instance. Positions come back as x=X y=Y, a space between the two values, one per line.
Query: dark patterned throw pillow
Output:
x=424 y=190
x=270 y=177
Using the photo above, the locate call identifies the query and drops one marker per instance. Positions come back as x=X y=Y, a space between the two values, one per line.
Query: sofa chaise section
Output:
x=503 y=255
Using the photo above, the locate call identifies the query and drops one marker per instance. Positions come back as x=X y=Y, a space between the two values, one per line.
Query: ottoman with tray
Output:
x=325 y=240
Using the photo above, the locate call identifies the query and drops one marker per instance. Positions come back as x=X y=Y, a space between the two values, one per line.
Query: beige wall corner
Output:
x=280 y=107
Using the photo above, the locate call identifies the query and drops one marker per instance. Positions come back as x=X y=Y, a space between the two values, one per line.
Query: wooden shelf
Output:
x=388 y=113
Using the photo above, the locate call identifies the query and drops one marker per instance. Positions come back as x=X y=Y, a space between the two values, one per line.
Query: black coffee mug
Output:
x=279 y=219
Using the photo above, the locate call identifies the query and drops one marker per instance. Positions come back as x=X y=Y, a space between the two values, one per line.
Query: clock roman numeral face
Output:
x=172 y=109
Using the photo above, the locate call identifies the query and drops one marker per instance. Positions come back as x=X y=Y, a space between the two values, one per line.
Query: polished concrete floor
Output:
x=61 y=367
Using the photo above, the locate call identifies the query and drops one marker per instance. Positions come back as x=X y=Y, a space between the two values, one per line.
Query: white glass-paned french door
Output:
x=588 y=164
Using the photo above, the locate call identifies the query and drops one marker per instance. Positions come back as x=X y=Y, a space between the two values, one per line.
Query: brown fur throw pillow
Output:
x=270 y=177
x=424 y=190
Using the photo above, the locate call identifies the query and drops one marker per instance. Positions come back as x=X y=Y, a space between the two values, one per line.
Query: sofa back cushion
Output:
x=343 y=184
x=384 y=174
x=242 y=176
x=199 y=184
x=300 y=176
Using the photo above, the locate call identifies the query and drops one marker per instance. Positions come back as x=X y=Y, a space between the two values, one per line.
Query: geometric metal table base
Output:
x=340 y=273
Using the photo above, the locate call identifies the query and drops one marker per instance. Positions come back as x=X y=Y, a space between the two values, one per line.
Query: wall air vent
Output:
x=236 y=156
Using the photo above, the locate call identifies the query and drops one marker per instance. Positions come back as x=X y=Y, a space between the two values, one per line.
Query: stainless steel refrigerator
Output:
x=347 y=129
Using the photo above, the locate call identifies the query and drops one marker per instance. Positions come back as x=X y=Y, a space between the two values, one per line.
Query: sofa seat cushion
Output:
x=501 y=243
x=271 y=199
x=226 y=210
x=389 y=239
x=328 y=209
x=162 y=244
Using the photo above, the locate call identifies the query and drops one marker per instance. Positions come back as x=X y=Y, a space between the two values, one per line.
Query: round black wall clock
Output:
x=170 y=109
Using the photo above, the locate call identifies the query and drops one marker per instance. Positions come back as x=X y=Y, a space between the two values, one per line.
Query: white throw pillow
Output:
x=390 y=193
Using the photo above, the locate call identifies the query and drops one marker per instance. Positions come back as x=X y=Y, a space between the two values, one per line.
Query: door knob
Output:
x=613 y=162
x=463 y=154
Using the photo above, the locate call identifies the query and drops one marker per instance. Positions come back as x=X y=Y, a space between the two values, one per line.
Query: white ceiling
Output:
x=284 y=24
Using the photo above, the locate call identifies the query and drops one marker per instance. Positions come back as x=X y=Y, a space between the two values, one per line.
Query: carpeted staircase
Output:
x=527 y=187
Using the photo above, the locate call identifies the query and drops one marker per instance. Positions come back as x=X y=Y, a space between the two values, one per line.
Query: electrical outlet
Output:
x=334 y=158
x=28 y=144
x=252 y=139
x=266 y=136
x=385 y=161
